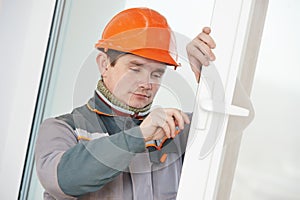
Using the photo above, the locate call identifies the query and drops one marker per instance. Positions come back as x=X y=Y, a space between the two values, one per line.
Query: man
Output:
x=114 y=147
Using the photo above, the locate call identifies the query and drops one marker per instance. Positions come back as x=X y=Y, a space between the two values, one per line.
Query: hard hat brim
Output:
x=159 y=55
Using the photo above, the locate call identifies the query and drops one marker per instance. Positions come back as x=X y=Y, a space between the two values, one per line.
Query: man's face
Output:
x=134 y=80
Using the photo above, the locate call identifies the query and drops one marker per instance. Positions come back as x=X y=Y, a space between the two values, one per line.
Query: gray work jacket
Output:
x=94 y=153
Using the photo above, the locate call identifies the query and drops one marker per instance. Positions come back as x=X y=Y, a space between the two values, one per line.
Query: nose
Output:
x=146 y=82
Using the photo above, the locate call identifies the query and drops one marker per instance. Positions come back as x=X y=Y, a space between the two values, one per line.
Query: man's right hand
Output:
x=163 y=122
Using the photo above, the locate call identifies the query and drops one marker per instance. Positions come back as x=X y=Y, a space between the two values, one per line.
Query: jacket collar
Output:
x=101 y=105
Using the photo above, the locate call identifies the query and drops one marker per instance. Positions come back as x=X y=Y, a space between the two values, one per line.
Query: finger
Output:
x=178 y=118
x=196 y=55
x=172 y=126
x=206 y=30
x=207 y=39
x=159 y=133
x=204 y=48
x=199 y=60
x=166 y=129
x=185 y=118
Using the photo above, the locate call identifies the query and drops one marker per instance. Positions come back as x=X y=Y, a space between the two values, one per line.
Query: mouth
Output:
x=140 y=95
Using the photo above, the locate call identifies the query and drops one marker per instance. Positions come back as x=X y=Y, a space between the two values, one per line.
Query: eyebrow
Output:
x=161 y=70
x=135 y=62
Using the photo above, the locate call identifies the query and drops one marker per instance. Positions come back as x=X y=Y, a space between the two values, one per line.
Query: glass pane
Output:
x=269 y=162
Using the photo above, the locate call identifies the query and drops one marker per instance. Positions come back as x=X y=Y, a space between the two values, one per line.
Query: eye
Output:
x=135 y=69
x=156 y=75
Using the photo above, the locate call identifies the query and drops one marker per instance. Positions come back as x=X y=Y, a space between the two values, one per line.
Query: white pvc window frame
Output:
x=237 y=33
x=42 y=95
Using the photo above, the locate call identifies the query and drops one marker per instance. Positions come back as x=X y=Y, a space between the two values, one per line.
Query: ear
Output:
x=102 y=62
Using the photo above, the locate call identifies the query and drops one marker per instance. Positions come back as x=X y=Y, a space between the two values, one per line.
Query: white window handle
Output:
x=223 y=108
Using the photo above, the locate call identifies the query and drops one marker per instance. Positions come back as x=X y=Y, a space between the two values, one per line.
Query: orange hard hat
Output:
x=143 y=32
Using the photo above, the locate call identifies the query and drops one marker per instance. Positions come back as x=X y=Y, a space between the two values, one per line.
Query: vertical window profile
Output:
x=30 y=186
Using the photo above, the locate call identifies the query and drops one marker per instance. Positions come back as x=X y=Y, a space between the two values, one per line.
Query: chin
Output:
x=138 y=104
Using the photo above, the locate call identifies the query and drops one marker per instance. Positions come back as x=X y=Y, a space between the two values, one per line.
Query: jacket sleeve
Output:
x=69 y=169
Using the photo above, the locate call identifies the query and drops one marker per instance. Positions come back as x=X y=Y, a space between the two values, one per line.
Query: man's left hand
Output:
x=199 y=51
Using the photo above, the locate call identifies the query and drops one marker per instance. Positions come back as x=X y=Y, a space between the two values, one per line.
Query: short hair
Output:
x=113 y=55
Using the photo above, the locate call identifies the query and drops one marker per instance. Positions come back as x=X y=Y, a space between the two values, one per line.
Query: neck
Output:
x=112 y=101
